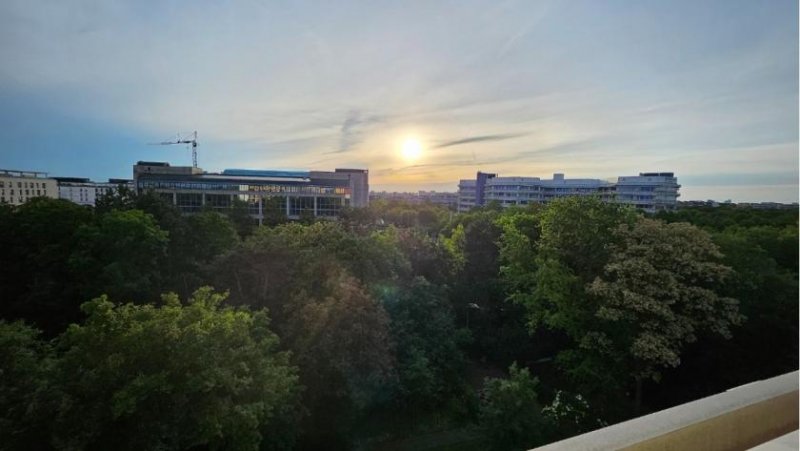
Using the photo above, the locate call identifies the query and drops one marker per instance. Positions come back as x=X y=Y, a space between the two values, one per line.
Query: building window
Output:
x=300 y=205
x=218 y=201
x=189 y=202
x=328 y=206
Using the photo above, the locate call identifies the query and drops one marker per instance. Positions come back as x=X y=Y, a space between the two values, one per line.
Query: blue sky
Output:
x=707 y=89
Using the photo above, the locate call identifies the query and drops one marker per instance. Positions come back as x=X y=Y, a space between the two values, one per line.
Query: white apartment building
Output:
x=17 y=187
x=466 y=195
x=510 y=191
x=651 y=192
x=83 y=191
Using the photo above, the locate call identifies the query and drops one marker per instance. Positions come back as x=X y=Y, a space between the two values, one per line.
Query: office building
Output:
x=296 y=193
x=650 y=191
x=17 y=187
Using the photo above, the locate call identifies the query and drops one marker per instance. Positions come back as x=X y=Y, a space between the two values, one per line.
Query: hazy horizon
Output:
x=708 y=90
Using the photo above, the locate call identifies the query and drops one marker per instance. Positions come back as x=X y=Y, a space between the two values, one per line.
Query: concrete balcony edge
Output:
x=740 y=418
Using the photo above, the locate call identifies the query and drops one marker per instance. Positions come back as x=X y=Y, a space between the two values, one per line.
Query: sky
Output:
x=593 y=89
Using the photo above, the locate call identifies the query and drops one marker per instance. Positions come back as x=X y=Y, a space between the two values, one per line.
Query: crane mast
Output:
x=192 y=142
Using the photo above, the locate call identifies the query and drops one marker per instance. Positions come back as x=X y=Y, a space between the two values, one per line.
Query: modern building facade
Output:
x=295 y=193
x=17 y=187
x=466 y=195
x=650 y=191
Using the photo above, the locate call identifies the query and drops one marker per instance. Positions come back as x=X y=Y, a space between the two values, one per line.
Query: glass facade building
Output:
x=295 y=193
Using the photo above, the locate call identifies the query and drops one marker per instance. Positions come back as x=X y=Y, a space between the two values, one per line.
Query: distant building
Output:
x=79 y=190
x=445 y=199
x=466 y=195
x=768 y=205
x=650 y=192
x=17 y=187
x=411 y=198
x=83 y=191
x=298 y=193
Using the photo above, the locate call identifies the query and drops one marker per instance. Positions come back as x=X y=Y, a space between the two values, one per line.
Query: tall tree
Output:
x=658 y=291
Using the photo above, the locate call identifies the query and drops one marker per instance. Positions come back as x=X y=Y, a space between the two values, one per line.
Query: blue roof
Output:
x=265 y=173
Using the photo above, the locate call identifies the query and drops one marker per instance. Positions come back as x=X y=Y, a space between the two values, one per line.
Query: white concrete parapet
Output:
x=739 y=418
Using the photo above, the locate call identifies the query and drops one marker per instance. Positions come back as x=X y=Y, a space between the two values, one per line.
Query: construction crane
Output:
x=192 y=141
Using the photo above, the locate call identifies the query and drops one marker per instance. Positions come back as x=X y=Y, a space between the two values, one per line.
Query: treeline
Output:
x=396 y=327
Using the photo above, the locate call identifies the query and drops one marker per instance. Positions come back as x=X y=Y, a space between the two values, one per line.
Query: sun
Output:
x=412 y=149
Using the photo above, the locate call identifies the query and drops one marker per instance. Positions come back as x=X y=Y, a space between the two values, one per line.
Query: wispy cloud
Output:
x=479 y=139
x=352 y=129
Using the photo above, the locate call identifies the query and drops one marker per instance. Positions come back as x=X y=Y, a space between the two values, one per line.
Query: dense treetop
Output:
x=397 y=326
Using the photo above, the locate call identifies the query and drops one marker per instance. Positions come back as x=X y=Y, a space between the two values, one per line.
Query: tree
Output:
x=122 y=255
x=430 y=364
x=25 y=362
x=510 y=414
x=239 y=214
x=656 y=294
x=211 y=234
x=274 y=211
x=172 y=377
x=548 y=256
x=36 y=283
x=340 y=339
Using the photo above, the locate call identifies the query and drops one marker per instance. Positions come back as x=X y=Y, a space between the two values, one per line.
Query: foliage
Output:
x=510 y=412
x=657 y=294
x=430 y=363
x=393 y=316
x=121 y=255
x=25 y=366
x=171 y=377
x=724 y=216
x=36 y=283
x=340 y=338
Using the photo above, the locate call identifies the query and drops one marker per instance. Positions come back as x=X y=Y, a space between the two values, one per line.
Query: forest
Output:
x=130 y=326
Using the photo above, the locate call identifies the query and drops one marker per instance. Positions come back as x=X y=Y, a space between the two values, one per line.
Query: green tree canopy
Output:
x=510 y=414
x=658 y=291
x=122 y=255
x=172 y=377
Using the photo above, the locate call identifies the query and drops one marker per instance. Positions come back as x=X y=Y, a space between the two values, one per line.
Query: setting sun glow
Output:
x=412 y=149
